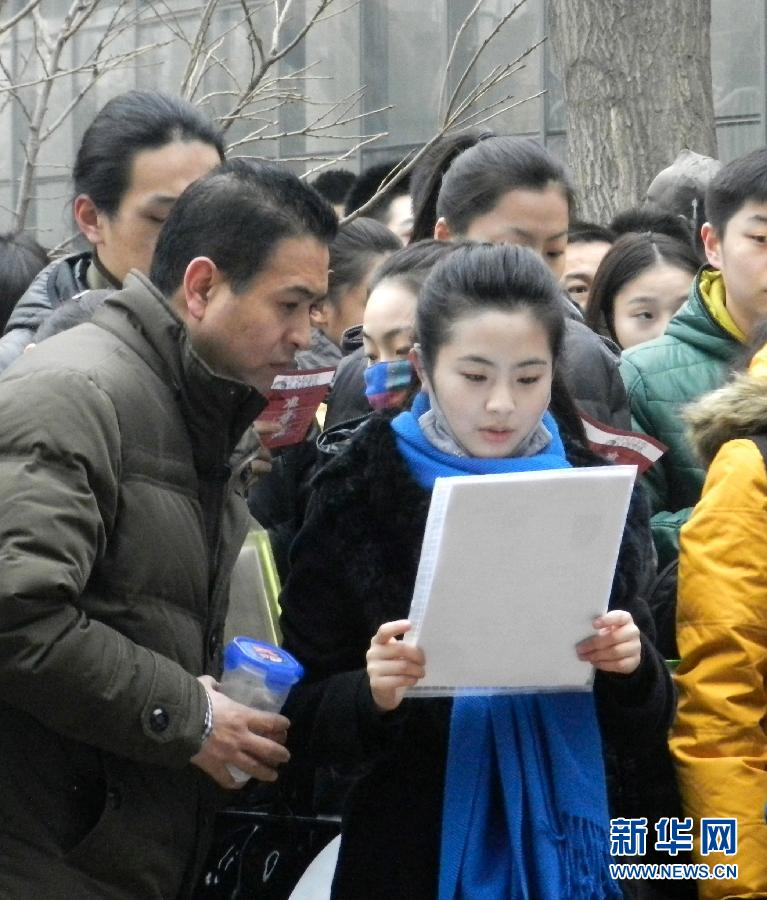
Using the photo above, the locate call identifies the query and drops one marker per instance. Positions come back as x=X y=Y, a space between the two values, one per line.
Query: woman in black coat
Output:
x=353 y=568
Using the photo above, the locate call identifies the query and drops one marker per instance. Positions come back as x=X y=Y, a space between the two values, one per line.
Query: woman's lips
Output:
x=496 y=436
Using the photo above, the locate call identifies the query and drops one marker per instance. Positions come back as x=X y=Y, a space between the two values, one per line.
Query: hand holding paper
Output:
x=515 y=568
x=392 y=665
x=293 y=401
x=616 y=647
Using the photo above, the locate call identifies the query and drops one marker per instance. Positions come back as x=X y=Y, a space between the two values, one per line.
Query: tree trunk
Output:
x=637 y=84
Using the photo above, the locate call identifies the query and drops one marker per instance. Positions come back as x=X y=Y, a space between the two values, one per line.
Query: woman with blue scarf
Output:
x=501 y=798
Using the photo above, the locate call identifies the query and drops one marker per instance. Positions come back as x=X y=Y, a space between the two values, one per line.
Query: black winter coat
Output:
x=57 y=282
x=353 y=568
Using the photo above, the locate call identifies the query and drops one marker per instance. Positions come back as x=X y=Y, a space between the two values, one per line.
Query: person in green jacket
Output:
x=694 y=355
x=121 y=517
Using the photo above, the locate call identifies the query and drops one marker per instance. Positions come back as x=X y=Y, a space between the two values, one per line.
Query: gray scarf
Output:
x=438 y=432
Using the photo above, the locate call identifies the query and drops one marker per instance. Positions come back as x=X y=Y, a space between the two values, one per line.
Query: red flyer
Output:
x=627 y=448
x=293 y=401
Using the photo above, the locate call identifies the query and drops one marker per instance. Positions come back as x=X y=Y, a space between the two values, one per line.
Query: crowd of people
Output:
x=475 y=325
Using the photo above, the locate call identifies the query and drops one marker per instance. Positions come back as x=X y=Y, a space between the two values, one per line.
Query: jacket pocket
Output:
x=144 y=838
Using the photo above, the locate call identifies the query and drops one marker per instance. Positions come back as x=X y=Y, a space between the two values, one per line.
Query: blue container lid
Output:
x=280 y=669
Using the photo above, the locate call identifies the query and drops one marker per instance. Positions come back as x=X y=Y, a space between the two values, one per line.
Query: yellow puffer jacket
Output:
x=718 y=740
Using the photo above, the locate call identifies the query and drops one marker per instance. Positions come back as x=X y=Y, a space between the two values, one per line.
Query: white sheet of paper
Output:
x=513 y=570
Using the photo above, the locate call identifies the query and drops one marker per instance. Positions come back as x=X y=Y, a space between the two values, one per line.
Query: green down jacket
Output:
x=119 y=528
x=692 y=357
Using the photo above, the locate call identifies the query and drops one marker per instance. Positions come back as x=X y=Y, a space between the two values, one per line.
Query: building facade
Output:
x=395 y=62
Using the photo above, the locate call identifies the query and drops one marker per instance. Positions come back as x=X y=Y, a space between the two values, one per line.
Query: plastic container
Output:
x=258 y=675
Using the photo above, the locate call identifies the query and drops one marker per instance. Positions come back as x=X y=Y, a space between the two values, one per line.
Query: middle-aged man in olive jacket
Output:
x=119 y=527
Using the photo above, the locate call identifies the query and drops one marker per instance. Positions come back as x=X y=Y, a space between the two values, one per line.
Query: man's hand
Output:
x=248 y=739
x=616 y=647
x=258 y=461
x=392 y=665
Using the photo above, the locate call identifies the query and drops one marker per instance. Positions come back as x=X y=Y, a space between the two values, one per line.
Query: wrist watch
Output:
x=207 y=728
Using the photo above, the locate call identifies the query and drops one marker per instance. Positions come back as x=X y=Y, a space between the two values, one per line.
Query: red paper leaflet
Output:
x=627 y=448
x=293 y=401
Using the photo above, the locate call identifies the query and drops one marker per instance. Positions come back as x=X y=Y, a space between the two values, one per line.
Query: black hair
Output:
x=21 y=258
x=367 y=184
x=356 y=247
x=741 y=181
x=236 y=215
x=71 y=312
x=126 y=125
x=479 y=277
x=334 y=184
x=411 y=265
x=581 y=232
x=652 y=218
x=428 y=172
x=628 y=257
x=481 y=175
x=503 y=277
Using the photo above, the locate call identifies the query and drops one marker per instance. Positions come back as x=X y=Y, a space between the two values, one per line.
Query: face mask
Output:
x=387 y=383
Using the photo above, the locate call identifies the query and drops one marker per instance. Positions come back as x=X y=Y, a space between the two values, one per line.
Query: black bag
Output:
x=662 y=603
x=261 y=855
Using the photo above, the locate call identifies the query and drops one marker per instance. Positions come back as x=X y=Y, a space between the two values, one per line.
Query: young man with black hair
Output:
x=639 y=219
x=394 y=209
x=120 y=522
x=334 y=185
x=727 y=299
x=587 y=244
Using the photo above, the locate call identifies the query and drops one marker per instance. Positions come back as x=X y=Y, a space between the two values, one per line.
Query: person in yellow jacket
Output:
x=718 y=740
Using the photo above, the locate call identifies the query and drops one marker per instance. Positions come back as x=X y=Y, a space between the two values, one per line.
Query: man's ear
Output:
x=88 y=219
x=442 y=230
x=318 y=314
x=711 y=244
x=200 y=276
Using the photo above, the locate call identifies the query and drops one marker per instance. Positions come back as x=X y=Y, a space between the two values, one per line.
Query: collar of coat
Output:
x=367 y=459
x=217 y=410
x=737 y=410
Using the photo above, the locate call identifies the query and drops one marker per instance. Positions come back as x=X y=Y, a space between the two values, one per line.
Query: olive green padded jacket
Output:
x=692 y=357
x=119 y=528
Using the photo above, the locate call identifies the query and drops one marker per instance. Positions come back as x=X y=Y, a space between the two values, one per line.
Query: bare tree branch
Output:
x=21 y=14
x=254 y=41
x=463 y=26
x=274 y=56
x=280 y=17
x=251 y=90
x=407 y=165
x=475 y=57
x=197 y=46
x=96 y=73
x=337 y=12
x=496 y=77
x=500 y=112
x=330 y=161
x=79 y=12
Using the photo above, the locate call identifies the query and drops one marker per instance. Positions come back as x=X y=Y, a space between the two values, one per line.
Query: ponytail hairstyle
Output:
x=483 y=174
x=426 y=177
x=358 y=245
x=411 y=265
x=478 y=278
x=126 y=125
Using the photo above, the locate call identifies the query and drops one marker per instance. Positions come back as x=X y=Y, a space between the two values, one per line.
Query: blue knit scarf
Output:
x=525 y=802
